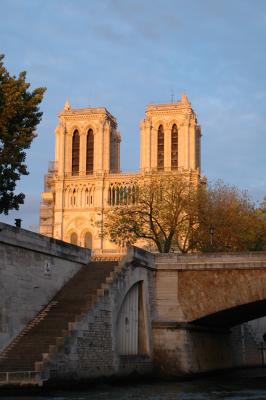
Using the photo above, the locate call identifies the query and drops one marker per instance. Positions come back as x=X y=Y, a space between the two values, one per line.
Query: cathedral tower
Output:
x=87 y=142
x=87 y=149
x=170 y=138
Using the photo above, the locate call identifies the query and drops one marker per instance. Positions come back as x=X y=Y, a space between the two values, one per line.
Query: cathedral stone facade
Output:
x=85 y=178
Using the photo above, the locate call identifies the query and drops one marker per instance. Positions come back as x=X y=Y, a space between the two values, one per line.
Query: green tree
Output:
x=19 y=116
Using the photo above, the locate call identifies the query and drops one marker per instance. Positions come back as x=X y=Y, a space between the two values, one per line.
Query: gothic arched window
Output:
x=88 y=240
x=198 y=149
x=174 y=147
x=160 y=148
x=74 y=238
x=75 y=153
x=113 y=197
x=89 y=154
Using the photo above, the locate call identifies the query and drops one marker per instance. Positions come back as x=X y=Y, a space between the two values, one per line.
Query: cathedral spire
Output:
x=67 y=106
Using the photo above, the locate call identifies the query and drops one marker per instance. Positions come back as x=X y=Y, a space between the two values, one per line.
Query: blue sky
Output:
x=124 y=54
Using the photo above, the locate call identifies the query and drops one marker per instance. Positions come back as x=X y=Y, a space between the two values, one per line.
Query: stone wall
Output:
x=91 y=349
x=32 y=269
x=180 y=351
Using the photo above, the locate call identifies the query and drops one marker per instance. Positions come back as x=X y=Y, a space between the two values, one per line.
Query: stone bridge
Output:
x=199 y=306
x=146 y=314
x=219 y=290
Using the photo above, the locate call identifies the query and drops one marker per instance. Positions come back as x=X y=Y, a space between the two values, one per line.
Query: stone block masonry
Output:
x=91 y=349
x=33 y=268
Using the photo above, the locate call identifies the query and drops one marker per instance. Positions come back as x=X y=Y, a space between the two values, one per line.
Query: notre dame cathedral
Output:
x=85 y=178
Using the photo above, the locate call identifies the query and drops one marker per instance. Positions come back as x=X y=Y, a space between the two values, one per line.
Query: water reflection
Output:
x=228 y=387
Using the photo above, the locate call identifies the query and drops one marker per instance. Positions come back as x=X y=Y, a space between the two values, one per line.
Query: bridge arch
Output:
x=223 y=297
x=235 y=315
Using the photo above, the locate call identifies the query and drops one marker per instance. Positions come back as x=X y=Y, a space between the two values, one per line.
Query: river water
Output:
x=229 y=387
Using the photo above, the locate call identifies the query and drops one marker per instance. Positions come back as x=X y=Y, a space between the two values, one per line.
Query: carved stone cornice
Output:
x=85 y=114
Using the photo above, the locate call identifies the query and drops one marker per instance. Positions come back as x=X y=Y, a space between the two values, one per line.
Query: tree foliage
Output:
x=262 y=207
x=173 y=212
x=260 y=243
x=19 y=116
x=235 y=222
x=231 y=218
x=164 y=214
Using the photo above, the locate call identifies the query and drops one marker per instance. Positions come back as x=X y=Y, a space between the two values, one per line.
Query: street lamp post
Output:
x=212 y=230
x=18 y=222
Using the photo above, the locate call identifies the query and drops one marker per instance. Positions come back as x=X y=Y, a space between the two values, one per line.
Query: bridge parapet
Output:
x=138 y=257
x=35 y=243
x=173 y=261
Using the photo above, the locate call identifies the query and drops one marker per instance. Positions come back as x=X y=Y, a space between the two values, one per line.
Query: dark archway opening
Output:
x=234 y=316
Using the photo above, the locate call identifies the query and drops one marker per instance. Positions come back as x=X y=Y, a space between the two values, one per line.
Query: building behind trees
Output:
x=85 y=179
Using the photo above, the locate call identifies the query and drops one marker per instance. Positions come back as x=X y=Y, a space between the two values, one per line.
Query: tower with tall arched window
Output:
x=87 y=142
x=170 y=137
x=87 y=148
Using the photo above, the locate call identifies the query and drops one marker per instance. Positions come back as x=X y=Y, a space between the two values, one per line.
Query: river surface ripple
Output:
x=222 y=388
